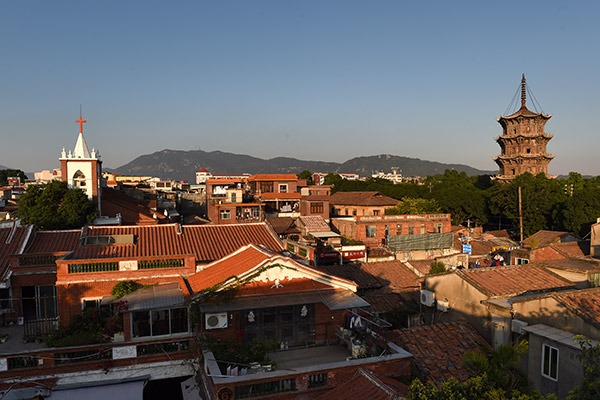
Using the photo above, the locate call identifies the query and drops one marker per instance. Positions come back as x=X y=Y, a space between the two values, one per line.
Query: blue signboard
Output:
x=466 y=248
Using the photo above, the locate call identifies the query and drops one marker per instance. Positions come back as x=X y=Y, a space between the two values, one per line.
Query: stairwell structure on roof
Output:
x=523 y=142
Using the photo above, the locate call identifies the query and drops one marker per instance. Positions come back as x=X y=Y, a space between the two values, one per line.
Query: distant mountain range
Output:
x=179 y=164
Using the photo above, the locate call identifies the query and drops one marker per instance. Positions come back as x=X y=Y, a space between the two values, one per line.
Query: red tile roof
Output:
x=13 y=238
x=372 y=199
x=283 y=225
x=583 y=303
x=513 y=280
x=438 y=349
x=423 y=266
x=365 y=384
x=247 y=259
x=273 y=177
x=579 y=248
x=206 y=242
x=53 y=241
x=315 y=224
x=355 y=273
x=395 y=276
x=544 y=238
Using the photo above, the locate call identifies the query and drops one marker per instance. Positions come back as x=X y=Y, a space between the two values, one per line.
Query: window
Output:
x=371 y=231
x=317 y=380
x=411 y=229
x=399 y=229
x=266 y=187
x=550 y=362
x=159 y=322
x=90 y=303
x=233 y=197
x=422 y=229
x=79 y=179
x=283 y=188
x=520 y=261
x=438 y=228
x=316 y=208
x=354 y=212
x=225 y=214
x=375 y=212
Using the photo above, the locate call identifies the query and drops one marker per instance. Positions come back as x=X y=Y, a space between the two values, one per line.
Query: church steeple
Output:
x=81 y=149
x=81 y=168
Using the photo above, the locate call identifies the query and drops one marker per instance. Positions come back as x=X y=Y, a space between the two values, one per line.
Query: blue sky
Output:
x=314 y=80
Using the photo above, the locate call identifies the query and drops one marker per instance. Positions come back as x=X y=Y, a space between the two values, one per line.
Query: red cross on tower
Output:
x=81 y=121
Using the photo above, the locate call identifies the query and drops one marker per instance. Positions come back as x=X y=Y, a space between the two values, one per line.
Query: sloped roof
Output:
x=580 y=265
x=273 y=177
x=315 y=224
x=283 y=225
x=206 y=242
x=394 y=275
x=583 y=303
x=513 y=280
x=576 y=249
x=355 y=273
x=366 y=384
x=53 y=241
x=249 y=259
x=423 y=266
x=544 y=238
x=13 y=238
x=438 y=349
x=367 y=199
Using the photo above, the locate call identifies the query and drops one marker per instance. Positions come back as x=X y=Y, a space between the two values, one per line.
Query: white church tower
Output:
x=81 y=168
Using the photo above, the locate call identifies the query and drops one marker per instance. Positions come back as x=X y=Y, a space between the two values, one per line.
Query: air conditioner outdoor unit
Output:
x=427 y=298
x=215 y=320
x=517 y=326
x=443 y=305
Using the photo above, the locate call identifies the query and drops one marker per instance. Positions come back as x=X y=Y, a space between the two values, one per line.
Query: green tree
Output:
x=502 y=366
x=582 y=207
x=414 y=206
x=437 y=267
x=590 y=359
x=9 y=173
x=541 y=199
x=306 y=174
x=55 y=206
x=456 y=194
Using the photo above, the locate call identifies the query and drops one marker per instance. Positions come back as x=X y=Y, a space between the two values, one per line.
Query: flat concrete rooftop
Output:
x=305 y=357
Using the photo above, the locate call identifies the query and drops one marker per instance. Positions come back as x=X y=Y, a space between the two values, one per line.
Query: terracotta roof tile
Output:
x=513 y=280
x=365 y=384
x=545 y=238
x=395 y=276
x=132 y=211
x=355 y=273
x=274 y=177
x=580 y=248
x=283 y=225
x=438 y=349
x=382 y=301
x=584 y=303
x=362 y=199
x=234 y=265
x=315 y=224
x=206 y=242
x=13 y=238
x=54 y=241
x=423 y=266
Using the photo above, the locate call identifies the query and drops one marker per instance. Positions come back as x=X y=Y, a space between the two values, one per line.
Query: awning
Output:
x=324 y=235
x=334 y=300
x=117 y=391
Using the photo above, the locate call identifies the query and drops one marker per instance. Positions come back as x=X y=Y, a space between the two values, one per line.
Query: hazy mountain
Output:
x=179 y=164
x=3 y=167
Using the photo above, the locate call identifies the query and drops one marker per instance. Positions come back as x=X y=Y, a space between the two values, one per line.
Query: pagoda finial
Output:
x=523 y=91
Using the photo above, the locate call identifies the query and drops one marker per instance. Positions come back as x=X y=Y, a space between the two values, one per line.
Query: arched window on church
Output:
x=79 y=179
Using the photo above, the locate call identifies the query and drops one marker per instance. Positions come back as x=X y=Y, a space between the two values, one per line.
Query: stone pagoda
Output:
x=523 y=142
